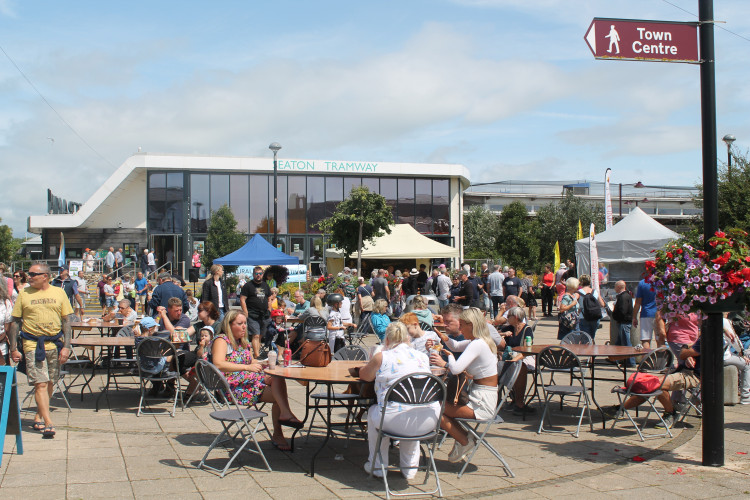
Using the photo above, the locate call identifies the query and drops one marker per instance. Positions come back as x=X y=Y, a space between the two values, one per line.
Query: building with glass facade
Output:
x=165 y=202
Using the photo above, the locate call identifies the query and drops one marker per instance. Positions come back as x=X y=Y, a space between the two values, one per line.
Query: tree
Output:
x=359 y=218
x=480 y=230
x=517 y=240
x=734 y=195
x=9 y=246
x=222 y=237
x=559 y=222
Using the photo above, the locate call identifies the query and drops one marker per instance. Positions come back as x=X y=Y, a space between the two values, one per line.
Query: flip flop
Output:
x=38 y=426
x=48 y=433
x=294 y=423
x=281 y=447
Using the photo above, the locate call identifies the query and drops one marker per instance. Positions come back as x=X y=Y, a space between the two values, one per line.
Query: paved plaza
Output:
x=115 y=454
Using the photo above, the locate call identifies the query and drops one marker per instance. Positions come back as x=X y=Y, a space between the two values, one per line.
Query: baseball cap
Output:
x=148 y=322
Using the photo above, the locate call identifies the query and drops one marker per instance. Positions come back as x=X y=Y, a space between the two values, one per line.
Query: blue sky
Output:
x=506 y=87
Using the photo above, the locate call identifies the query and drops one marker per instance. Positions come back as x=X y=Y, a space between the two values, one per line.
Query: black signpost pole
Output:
x=712 y=364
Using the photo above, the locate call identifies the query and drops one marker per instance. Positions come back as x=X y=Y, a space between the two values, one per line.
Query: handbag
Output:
x=315 y=353
x=643 y=383
x=568 y=319
x=457 y=388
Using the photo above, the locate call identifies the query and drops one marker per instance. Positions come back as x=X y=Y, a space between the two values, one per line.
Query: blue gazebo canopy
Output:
x=257 y=251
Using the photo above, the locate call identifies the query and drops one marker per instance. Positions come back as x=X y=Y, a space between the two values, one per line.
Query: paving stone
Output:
x=115 y=489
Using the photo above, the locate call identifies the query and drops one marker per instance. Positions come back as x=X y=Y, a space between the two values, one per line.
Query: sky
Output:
x=507 y=88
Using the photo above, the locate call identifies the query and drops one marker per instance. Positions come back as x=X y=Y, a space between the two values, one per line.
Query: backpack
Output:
x=591 y=309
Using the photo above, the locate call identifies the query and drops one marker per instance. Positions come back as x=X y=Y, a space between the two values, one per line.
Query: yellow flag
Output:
x=557 y=256
x=579 y=236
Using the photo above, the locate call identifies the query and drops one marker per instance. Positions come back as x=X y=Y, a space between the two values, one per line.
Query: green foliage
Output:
x=517 y=240
x=9 y=246
x=559 y=222
x=734 y=195
x=481 y=227
x=359 y=218
x=222 y=237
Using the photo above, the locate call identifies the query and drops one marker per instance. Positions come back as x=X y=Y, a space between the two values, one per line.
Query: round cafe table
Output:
x=337 y=372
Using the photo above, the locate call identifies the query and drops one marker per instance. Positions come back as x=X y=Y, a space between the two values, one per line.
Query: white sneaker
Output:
x=409 y=473
x=745 y=401
x=459 y=452
x=368 y=468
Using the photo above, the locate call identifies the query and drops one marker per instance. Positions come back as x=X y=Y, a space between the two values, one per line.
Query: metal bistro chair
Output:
x=357 y=337
x=150 y=350
x=659 y=361
x=426 y=327
x=235 y=420
x=505 y=383
x=558 y=359
x=351 y=401
x=578 y=337
x=315 y=328
x=413 y=390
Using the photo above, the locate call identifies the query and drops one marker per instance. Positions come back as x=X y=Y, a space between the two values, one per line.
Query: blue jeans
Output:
x=623 y=338
x=587 y=326
x=442 y=303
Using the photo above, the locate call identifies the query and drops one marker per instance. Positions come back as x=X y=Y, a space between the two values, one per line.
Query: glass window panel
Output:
x=259 y=197
x=199 y=199
x=388 y=189
x=349 y=183
x=219 y=191
x=373 y=183
x=297 y=248
x=406 y=201
x=297 y=204
x=315 y=203
x=334 y=194
x=441 y=208
x=281 y=203
x=157 y=187
x=238 y=201
x=316 y=249
x=423 y=206
x=174 y=202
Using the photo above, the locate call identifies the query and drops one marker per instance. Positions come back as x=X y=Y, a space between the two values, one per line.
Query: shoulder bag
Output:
x=315 y=353
x=457 y=387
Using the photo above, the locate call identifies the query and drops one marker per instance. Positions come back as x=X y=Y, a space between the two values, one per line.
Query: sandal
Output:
x=38 y=426
x=48 y=433
x=292 y=422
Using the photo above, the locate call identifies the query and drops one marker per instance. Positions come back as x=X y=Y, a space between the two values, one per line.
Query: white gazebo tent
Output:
x=404 y=242
x=625 y=246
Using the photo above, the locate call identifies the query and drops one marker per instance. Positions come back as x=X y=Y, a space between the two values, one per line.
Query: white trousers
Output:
x=413 y=421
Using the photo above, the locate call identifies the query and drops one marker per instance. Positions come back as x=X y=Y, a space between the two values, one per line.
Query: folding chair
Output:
x=151 y=349
x=556 y=359
x=357 y=337
x=346 y=353
x=659 y=361
x=471 y=425
x=413 y=390
x=692 y=400
x=426 y=327
x=315 y=328
x=235 y=420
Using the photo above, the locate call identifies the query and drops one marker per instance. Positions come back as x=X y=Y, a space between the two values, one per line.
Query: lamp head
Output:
x=729 y=139
x=274 y=146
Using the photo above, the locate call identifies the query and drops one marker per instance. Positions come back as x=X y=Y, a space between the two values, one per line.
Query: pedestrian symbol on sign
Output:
x=614 y=39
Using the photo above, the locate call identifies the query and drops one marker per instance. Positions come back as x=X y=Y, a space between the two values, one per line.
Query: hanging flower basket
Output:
x=689 y=279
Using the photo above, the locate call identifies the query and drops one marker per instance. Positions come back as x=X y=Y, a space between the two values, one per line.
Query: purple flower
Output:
x=710 y=289
x=671 y=285
x=712 y=300
x=705 y=279
x=705 y=270
x=716 y=267
x=701 y=298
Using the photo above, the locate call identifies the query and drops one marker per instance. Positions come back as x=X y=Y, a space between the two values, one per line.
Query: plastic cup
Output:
x=272 y=358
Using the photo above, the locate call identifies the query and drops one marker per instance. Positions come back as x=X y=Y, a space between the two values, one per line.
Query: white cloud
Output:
x=7 y=8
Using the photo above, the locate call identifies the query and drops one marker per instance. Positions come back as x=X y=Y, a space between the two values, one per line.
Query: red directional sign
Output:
x=634 y=40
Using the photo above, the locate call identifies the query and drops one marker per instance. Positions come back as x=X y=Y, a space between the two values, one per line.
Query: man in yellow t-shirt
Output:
x=42 y=315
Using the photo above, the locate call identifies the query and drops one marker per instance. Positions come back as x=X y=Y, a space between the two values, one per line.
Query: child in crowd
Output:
x=336 y=326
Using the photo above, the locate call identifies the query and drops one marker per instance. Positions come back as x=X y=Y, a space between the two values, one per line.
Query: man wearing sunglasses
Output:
x=44 y=311
x=254 y=302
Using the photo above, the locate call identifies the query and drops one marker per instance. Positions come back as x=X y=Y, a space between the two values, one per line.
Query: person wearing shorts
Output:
x=254 y=300
x=644 y=312
x=44 y=311
x=141 y=292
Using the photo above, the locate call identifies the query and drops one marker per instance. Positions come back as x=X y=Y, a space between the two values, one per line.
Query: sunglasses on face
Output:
x=32 y=275
x=16 y=276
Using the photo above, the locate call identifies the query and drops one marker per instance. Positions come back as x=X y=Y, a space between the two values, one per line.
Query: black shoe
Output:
x=155 y=389
x=610 y=412
x=526 y=410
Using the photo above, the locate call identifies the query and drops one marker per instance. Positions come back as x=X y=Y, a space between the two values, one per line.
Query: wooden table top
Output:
x=337 y=372
x=588 y=350
x=90 y=341
x=95 y=323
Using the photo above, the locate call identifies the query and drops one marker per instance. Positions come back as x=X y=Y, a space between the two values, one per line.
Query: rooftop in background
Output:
x=582 y=187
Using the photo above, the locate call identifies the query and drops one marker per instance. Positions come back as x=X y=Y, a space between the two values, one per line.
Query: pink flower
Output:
x=710 y=289
x=712 y=300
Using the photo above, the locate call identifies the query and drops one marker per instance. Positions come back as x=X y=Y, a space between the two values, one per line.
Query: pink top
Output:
x=685 y=330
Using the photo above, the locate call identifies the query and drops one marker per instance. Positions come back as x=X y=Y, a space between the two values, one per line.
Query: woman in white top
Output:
x=397 y=360
x=479 y=361
x=6 y=306
x=419 y=337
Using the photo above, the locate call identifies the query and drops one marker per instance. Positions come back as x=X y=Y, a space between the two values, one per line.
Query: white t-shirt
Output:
x=477 y=359
x=221 y=297
x=151 y=261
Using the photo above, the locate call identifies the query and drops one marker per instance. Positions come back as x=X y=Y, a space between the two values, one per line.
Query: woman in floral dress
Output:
x=232 y=354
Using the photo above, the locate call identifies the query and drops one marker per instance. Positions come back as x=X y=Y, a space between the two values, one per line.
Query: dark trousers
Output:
x=496 y=301
x=547 y=300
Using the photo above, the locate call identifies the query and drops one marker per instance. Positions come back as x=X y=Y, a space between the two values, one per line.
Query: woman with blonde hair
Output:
x=232 y=354
x=568 y=308
x=214 y=290
x=479 y=361
x=419 y=307
x=380 y=319
x=397 y=360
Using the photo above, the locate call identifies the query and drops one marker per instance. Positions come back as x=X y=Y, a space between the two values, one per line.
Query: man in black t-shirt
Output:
x=254 y=302
x=512 y=285
x=466 y=294
x=422 y=278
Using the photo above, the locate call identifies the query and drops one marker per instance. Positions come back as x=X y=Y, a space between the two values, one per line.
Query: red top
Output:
x=548 y=279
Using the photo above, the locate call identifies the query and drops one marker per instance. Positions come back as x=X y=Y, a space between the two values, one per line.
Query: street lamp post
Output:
x=728 y=140
x=275 y=146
